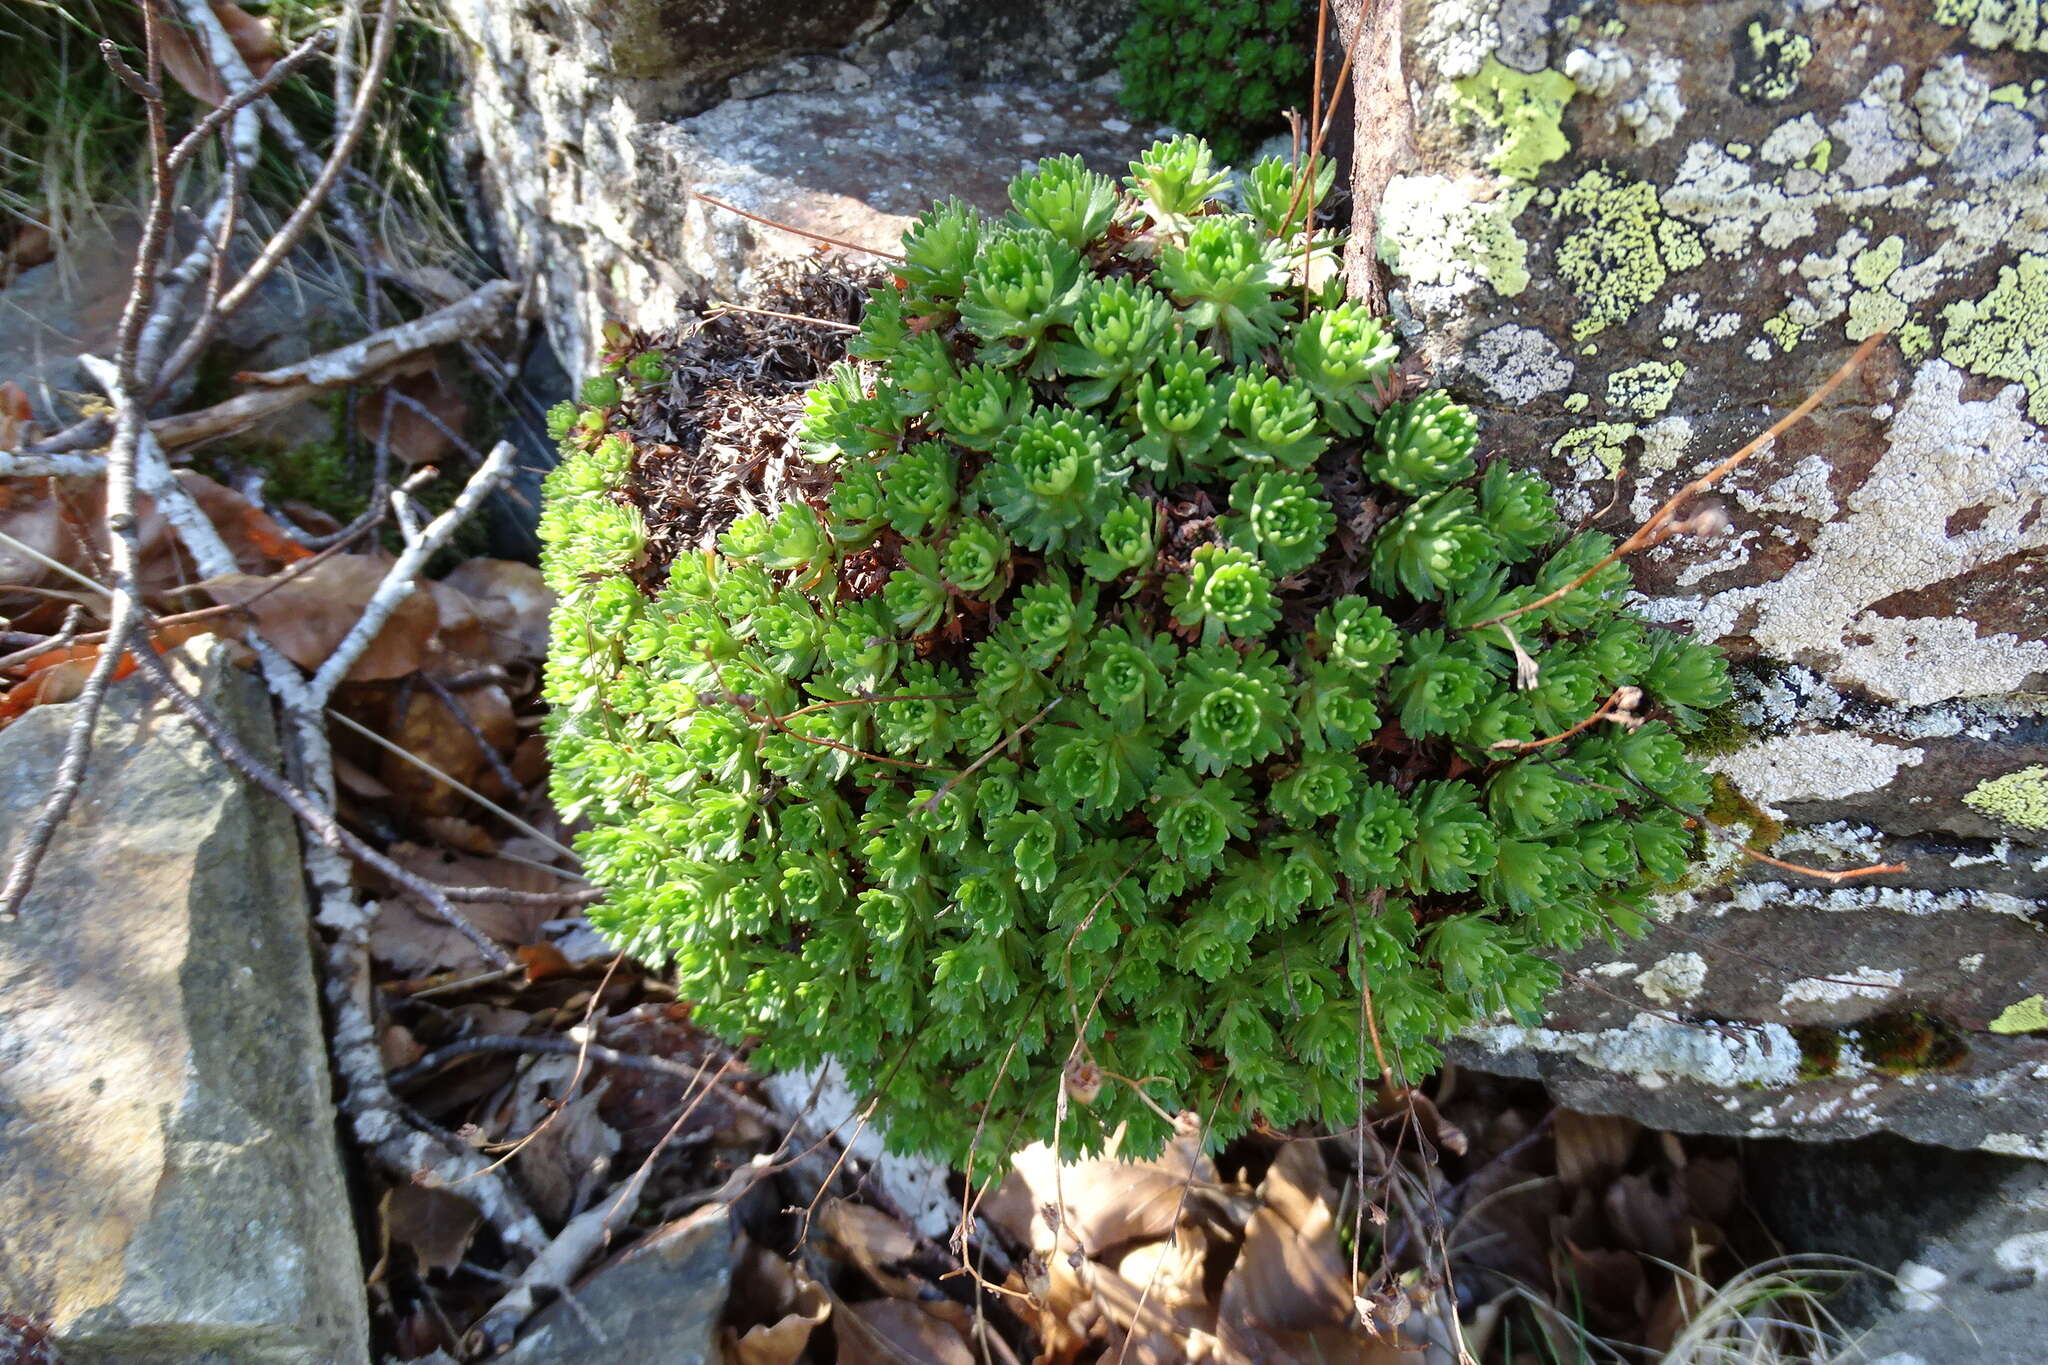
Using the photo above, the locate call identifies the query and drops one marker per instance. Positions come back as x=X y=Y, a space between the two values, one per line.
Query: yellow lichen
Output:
x=2019 y=798
x=1627 y=249
x=2004 y=335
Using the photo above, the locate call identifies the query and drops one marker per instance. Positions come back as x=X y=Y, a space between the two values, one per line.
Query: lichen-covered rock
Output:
x=1636 y=233
x=594 y=119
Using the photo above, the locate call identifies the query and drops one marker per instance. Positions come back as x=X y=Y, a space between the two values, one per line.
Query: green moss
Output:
x=1823 y=152
x=2025 y=1016
x=1525 y=108
x=1909 y=1042
x=1625 y=251
x=1769 y=61
x=2004 y=335
x=2019 y=798
x=1915 y=339
x=1577 y=402
x=1731 y=810
x=1645 y=390
x=1820 y=1051
x=1720 y=732
x=2014 y=95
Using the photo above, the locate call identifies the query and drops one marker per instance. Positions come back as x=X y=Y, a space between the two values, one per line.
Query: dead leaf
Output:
x=870 y=1239
x=416 y=437
x=1592 y=1148
x=408 y=939
x=568 y=1156
x=772 y=1310
x=423 y=725
x=1291 y=1274
x=307 y=615
x=543 y=960
x=435 y=1224
x=513 y=603
x=184 y=57
x=1648 y=1214
x=16 y=416
x=893 y=1332
x=1106 y=1202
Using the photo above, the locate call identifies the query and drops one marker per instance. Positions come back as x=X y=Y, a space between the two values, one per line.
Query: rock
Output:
x=1963 y=1235
x=1633 y=244
x=170 y=1186
x=846 y=123
x=659 y=1304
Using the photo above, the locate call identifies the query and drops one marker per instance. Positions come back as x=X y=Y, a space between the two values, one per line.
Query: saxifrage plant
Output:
x=1222 y=69
x=1137 y=693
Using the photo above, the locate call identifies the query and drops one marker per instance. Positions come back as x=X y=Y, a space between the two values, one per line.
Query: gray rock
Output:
x=1963 y=1236
x=170 y=1187
x=845 y=123
x=658 y=1304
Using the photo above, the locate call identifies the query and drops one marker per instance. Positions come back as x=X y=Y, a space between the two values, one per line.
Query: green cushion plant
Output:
x=1221 y=68
x=1134 y=693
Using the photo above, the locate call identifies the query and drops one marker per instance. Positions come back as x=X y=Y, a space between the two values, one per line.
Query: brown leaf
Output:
x=309 y=614
x=773 y=1308
x=870 y=1239
x=415 y=437
x=1106 y=1202
x=406 y=937
x=1292 y=1274
x=185 y=59
x=1592 y=1148
x=1648 y=1214
x=15 y=415
x=425 y=727
x=543 y=960
x=511 y=601
x=434 y=1223
x=568 y=1156
x=893 y=1332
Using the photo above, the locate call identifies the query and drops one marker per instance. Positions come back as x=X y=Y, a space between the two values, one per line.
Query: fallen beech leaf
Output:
x=1107 y=1201
x=415 y=437
x=543 y=960
x=871 y=1240
x=512 y=602
x=413 y=943
x=185 y=59
x=893 y=1332
x=309 y=614
x=420 y=723
x=398 y=1048
x=1592 y=1148
x=435 y=1224
x=568 y=1156
x=15 y=415
x=1292 y=1274
x=778 y=1306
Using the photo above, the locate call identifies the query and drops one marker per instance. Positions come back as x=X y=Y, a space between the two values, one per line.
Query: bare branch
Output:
x=399 y=582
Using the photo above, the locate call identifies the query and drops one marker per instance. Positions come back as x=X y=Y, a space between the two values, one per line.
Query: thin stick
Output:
x=456 y=1051
x=795 y=231
x=397 y=751
x=833 y=323
x=1601 y=712
x=1646 y=534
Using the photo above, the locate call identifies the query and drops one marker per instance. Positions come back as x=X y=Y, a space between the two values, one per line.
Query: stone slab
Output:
x=170 y=1184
